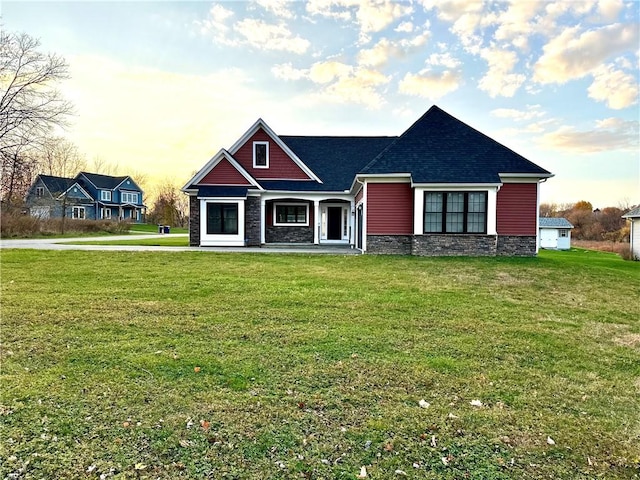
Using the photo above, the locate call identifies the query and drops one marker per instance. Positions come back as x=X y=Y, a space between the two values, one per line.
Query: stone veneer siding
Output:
x=389 y=244
x=252 y=221
x=454 y=245
x=517 y=245
x=194 y=221
x=289 y=234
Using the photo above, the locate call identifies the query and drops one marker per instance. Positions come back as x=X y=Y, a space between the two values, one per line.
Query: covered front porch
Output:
x=294 y=219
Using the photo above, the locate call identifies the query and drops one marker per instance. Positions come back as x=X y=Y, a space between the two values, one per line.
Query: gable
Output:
x=224 y=173
x=281 y=165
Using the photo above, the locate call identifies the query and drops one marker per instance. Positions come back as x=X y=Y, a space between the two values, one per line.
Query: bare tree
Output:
x=170 y=205
x=61 y=158
x=30 y=105
x=102 y=166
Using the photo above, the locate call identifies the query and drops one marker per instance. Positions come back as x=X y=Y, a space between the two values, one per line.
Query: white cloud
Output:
x=443 y=60
x=573 y=54
x=499 y=79
x=404 y=27
x=531 y=112
x=609 y=134
x=615 y=87
x=285 y=71
x=609 y=9
x=517 y=22
x=280 y=8
x=266 y=36
x=326 y=72
x=430 y=84
x=215 y=24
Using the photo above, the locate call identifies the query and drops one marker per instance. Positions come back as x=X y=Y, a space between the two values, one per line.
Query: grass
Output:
x=153 y=228
x=149 y=242
x=217 y=365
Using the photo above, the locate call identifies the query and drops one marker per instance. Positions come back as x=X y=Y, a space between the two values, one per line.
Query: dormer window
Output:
x=105 y=195
x=260 y=154
x=39 y=191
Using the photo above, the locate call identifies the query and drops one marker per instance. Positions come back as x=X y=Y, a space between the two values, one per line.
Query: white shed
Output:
x=555 y=233
x=634 y=231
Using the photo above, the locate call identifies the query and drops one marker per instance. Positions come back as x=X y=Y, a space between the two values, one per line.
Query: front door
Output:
x=334 y=223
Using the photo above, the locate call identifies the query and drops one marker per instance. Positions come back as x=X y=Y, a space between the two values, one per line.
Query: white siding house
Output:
x=555 y=233
x=634 y=231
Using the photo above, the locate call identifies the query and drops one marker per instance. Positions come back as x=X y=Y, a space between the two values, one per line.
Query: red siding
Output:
x=517 y=209
x=224 y=174
x=389 y=209
x=280 y=164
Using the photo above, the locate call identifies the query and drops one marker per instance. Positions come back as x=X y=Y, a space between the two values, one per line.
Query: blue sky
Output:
x=159 y=87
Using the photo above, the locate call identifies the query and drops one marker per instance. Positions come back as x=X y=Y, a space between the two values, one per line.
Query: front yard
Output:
x=219 y=365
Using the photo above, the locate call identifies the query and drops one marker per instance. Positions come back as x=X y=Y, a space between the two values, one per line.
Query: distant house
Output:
x=440 y=188
x=88 y=196
x=634 y=231
x=555 y=233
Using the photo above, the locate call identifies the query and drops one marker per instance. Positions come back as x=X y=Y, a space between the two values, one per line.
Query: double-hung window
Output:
x=455 y=212
x=39 y=191
x=128 y=197
x=222 y=218
x=78 y=213
x=105 y=195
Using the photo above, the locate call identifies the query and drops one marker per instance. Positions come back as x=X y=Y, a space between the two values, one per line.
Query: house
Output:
x=555 y=233
x=634 y=231
x=440 y=188
x=88 y=196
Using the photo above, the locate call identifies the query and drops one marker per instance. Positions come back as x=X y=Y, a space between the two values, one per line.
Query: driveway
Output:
x=61 y=244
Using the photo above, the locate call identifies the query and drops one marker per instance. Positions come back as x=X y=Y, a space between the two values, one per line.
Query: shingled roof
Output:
x=554 y=222
x=106 y=182
x=335 y=160
x=56 y=185
x=439 y=148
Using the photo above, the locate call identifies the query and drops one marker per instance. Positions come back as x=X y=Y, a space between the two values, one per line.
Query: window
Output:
x=564 y=233
x=128 y=197
x=77 y=212
x=291 y=214
x=105 y=213
x=261 y=154
x=39 y=191
x=455 y=212
x=105 y=195
x=222 y=218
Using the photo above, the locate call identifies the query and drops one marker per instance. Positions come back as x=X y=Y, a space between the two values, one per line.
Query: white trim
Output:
x=103 y=211
x=102 y=195
x=130 y=194
x=211 y=164
x=266 y=144
x=292 y=204
x=524 y=177
x=79 y=209
x=221 y=240
x=261 y=124
x=344 y=222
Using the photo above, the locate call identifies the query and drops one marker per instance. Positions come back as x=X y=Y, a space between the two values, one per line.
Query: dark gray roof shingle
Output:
x=547 y=222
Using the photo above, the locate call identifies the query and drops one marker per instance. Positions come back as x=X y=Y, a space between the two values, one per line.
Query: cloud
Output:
x=405 y=27
x=266 y=36
x=574 y=54
x=215 y=24
x=499 y=79
x=380 y=54
x=609 y=134
x=285 y=71
x=280 y=8
x=430 y=84
x=614 y=87
x=531 y=112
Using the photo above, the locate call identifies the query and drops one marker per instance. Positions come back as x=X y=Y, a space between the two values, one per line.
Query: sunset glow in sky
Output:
x=159 y=87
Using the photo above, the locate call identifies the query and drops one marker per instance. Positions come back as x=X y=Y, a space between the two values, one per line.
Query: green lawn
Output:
x=153 y=228
x=149 y=242
x=220 y=365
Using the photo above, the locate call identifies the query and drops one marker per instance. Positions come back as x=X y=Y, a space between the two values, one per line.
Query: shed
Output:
x=555 y=233
x=634 y=231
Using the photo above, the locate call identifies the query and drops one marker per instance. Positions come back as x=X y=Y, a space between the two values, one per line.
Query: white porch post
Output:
x=352 y=222
x=316 y=221
x=263 y=221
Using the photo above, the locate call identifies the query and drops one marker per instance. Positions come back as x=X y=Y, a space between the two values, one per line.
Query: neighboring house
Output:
x=555 y=233
x=634 y=231
x=87 y=196
x=441 y=188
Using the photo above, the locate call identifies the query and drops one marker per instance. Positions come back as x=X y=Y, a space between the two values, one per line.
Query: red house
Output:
x=440 y=188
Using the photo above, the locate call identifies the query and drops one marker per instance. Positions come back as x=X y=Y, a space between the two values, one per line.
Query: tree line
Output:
x=33 y=113
x=591 y=223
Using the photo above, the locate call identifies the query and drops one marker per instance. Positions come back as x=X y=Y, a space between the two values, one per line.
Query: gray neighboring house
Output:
x=555 y=233
x=633 y=216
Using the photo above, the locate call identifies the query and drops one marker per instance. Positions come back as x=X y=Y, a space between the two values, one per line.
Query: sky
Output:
x=159 y=87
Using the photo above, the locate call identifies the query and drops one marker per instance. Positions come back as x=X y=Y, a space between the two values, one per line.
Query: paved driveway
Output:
x=60 y=244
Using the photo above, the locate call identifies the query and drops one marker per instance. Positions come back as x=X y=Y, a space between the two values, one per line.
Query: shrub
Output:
x=19 y=225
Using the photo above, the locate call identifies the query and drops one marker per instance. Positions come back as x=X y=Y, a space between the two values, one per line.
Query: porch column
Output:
x=316 y=221
x=352 y=222
x=263 y=221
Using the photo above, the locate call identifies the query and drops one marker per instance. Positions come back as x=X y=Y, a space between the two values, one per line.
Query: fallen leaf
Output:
x=388 y=447
x=451 y=415
x=185 y=443
x=126 y=424
x=140 y=466
x=196 y=369
x=433 y=441
x=476 y=403
x=401 y=472
x=205 y=424
x=91 y=468
x=363 y=472
x=445 y=461
x=423 y=404
x=550 y=441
